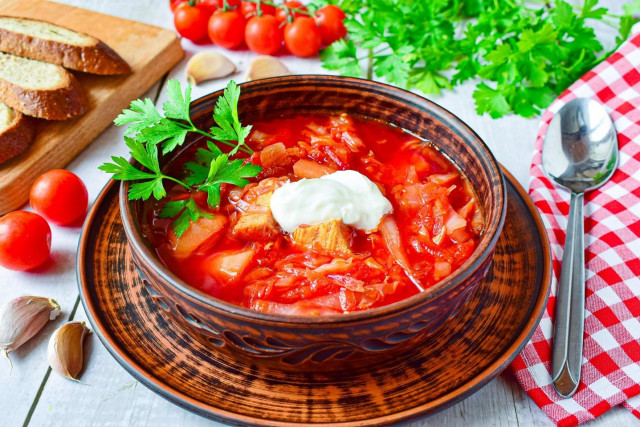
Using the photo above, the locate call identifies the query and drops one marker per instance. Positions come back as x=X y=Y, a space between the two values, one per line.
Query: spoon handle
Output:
x=569 y=324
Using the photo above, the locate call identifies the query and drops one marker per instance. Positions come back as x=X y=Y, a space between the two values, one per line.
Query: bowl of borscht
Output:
x=372 y=220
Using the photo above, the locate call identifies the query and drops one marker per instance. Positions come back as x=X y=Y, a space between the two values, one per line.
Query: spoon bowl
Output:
x=580 y=153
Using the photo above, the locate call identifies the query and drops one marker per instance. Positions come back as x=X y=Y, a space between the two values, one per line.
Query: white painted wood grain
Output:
x=111 y=397
x=107 y=396
x=55 y=279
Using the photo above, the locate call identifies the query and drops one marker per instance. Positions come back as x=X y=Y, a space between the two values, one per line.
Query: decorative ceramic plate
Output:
x=467 y=352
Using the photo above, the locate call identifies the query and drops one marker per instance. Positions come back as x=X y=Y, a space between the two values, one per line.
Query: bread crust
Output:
x=17 y=138
x=97 y=58
x=59 y=103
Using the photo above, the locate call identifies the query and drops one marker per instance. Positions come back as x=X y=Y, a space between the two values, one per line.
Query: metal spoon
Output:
x=580 y=153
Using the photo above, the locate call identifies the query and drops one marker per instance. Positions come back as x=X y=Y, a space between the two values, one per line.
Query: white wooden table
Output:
x=108 y=395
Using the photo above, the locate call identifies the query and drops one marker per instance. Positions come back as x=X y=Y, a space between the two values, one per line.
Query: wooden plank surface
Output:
x=150 y=51
x=109 y=395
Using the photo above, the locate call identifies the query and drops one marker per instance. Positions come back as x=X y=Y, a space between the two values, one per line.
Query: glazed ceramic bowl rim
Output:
x=484 y=249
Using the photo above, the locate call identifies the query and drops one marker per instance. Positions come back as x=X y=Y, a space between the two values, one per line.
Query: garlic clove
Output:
x=208 y=65
x=264 y=67
x=66 y=349
x=22 y=318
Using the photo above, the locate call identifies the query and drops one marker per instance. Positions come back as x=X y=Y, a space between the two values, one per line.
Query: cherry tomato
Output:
x=263 y=35
x=302 y=37
x=231 y=4
x=174 y=3
x=210 y=6
x=282 y=15
x=250 y=9
x=25 y=240
x=226 y=29
x=191 y=21
x=330 y=20
x=59 y=196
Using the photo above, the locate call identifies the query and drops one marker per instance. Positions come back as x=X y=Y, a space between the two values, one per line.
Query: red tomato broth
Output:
x=426 y=190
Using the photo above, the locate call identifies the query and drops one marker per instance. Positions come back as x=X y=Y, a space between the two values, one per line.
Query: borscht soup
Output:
x=347 y=214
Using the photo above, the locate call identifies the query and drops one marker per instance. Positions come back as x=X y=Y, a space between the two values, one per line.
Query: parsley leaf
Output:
x=342 y=56
x=393 y=67
x=225 y=114
x=198 y=173
x=589 y=10
x=166 y=130
x=123 y=170
x=430 y=81
x=177 y=107
x=207 y=155
x=148 y=126
x=141 y=113
x=222 y=171
x=490 y=101
x=521 y=54
x=148 y=129
x=147 y=155
x=173 y=208
x=185 y=212
x=631 y=7
x=151 y=182
x=143 y=190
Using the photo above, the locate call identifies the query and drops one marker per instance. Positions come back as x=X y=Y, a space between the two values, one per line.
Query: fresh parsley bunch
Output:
x=148 y=129
x=523 y=55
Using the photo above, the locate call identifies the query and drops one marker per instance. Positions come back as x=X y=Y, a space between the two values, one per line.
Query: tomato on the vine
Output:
x=282 y=14
x=263 y=35
x=330 y=20
x=231 y=4
x=226 y=29
x=25 y=240
x=191 y=21
x=59 y=196
x=249 y=9
x=302 y=37
x=211 y=6
x=174 y=3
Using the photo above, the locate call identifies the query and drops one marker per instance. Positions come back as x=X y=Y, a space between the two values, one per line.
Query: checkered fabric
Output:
x=611 y=355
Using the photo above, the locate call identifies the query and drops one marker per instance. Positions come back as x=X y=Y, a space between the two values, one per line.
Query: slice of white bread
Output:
x=58 y=45
x=40 y=89
x=16 y=132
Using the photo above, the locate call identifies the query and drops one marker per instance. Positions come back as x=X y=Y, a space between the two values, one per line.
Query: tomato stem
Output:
x=226 y=7
x=290 y=11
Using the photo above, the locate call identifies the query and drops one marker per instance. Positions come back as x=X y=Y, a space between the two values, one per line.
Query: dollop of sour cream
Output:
x=346 y=195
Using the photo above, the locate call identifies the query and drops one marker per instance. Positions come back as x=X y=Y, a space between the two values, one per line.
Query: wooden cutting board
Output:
x=151 y=52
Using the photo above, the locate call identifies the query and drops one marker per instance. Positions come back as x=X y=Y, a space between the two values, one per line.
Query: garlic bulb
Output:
x=208 y=65
x=266 y=66
x=22 y=318
x=65 y=351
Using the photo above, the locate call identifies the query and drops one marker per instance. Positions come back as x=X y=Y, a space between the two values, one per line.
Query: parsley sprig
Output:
x=148 y=128
x=521 y=54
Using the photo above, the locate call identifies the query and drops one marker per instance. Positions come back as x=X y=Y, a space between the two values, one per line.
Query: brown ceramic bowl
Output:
x=335 y=341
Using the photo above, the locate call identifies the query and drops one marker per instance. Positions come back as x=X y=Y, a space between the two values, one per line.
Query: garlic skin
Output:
x=266 y=66
x=22 y=318
x=66 y=349
x=208 y=65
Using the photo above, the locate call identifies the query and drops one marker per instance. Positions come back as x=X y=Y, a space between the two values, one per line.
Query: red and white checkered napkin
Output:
x=611 y=355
